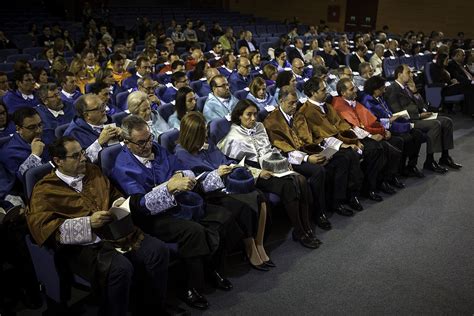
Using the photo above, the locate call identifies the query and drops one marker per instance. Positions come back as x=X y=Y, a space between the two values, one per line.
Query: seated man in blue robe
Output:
x=229 y=61
x=178 y=80
x=69 y=92
x=204 y=88
x=165 y=77
x=23 y=95
x=280 y=60
x=53 y=111
x=102 y=90
x=148 y=86
x=88 y=126
x=143 y=67
x=24 y=150
x=220 y=102
x=240 y=79
x=149 y=173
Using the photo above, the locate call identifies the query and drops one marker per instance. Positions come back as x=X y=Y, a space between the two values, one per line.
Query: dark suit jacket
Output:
x=388 y=53
x=457 y=73
x=243 y=42
x=331 y=61
x=294 y=53
x=354 y=62
x=439 y=75
x=399 y=100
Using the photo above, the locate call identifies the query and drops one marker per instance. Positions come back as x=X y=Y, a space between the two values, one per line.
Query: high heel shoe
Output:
x=269 y=263
x=260 y=267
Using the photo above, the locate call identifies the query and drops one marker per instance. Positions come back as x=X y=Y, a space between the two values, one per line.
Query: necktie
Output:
x=290 y=122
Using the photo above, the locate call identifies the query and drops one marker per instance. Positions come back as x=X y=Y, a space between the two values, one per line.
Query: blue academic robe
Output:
x=130 y=82
x=50 y=122
x=238 y=82
x=82 y=132
x=214 y=108
x=13 y=100
x=203 y=89
x=224 y=71
x=14 y=153
x=269 y=100
x=9 y=129
x=72 y=99
x=274 y=62
x=382 y=110
x=204 y=161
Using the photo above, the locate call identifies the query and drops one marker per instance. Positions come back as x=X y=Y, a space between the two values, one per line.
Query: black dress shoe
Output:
x=396 y=183
x=341 y=210
x=307 y=241
x=386 y=188
x=220 y=282
x=433 y=166
x=354 y=203
x=413 y=172
x=259 y=267
x=449 y=162
x=195 y=299
x=269 y=263
x=323 y=222
x=374 y=196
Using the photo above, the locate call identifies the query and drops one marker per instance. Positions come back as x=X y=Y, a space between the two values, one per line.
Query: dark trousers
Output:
x=467 y=90
x=373 y=161
x=410 y=147
x=356 y=176
x=392 y=159
x=316 y=176
x=152 y=256
x=439 y=133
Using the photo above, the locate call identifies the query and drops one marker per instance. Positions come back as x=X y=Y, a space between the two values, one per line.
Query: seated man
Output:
x=69 y=92
x=280 y=60
x=329 y=55
x=229 y=61
x=373 y=135
x=24 y=150
x=88 y=126
x=165 y=77
x=23 y=95
x=118 y=68
x=240 y=79
x=178 y=80
x=53 y=111
x=102 y=90
x=148 y=86
x=69 y=207
x=324 y=122
x=297 y=66
x=247 y=42
x=220 y=102
x=402 y=95
x=143 y=67
x=365 y=72
x=358 y=57
x=147 y=173
x=283 y=126
x=297 y=51
x=205 y=88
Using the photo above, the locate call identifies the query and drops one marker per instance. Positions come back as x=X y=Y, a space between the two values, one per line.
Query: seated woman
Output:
x=287 y=78
x=270 y=73
x=194 y=155
x=280 y=61
x=185 y=102
x=407 y=139
x=138 y=104
x=248 y=138
x=255 y=59
x=41 y=77
x=7 y=126
x=258 y=93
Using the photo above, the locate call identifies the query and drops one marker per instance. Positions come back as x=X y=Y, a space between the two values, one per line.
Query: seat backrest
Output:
x=429 y=80
x=59 y=131
x=33 y=175
x=16 y=57
x=168 y=139
x=117 y=118
x=389 y=65
x=121 y=99
x=241 y=94
x=408 y=60
x=107 y=158
x=218 y=129
x=40 y=63
x=200 y=103
x=195 y=85
x=33 y=51
x=166 y=110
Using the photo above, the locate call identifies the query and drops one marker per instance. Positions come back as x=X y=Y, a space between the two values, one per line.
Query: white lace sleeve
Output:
x=30 y=162
x=159 y=199
x=92 y=151
x=76 y=231
x=189 y=174
x=212 y=182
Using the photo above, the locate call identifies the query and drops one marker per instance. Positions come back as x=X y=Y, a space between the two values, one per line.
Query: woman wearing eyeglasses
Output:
x=138 y=104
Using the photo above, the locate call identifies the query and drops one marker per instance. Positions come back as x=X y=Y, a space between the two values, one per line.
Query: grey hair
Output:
x=43 y=90
x=130 y=123
x=134 y=100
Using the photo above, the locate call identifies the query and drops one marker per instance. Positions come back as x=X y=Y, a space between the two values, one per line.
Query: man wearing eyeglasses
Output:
x=53 y=111
x=24 y=150
x=23 y=95
x=297 y=66
x=89 y=128
x=71 y=219
x=240 y=79
x=220 y=102
x=148 y=86
x=178 y=80
x=143 y=66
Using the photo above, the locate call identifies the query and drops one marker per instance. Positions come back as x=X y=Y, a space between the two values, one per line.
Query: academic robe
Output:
x=13 y=100
x=169 y=94
x=9 y=129
x=82 y=132
x=72 y=98
x=262 y=103
x=238 y=82
x=326 y=124
x=226 y=72
x=359 y=116
x=50 y=122
x=214 y=108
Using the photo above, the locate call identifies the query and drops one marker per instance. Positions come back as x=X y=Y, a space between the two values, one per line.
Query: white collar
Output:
x=55 y=113
x=287 y=117
x=222 y=100
x=67 y=94
x=27 y=96
x=352 y=103
x=401 y=86
x=73 y=182
x=319 y=104
x=146 y=161
x=227 y=69
x=138 y=75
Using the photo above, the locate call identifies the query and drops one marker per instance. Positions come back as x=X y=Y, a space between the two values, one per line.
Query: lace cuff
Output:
x=92 y=151
x=30 y=162
x=159 y=199
x=76 y=231
x=212 y=182
x=189 y=174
